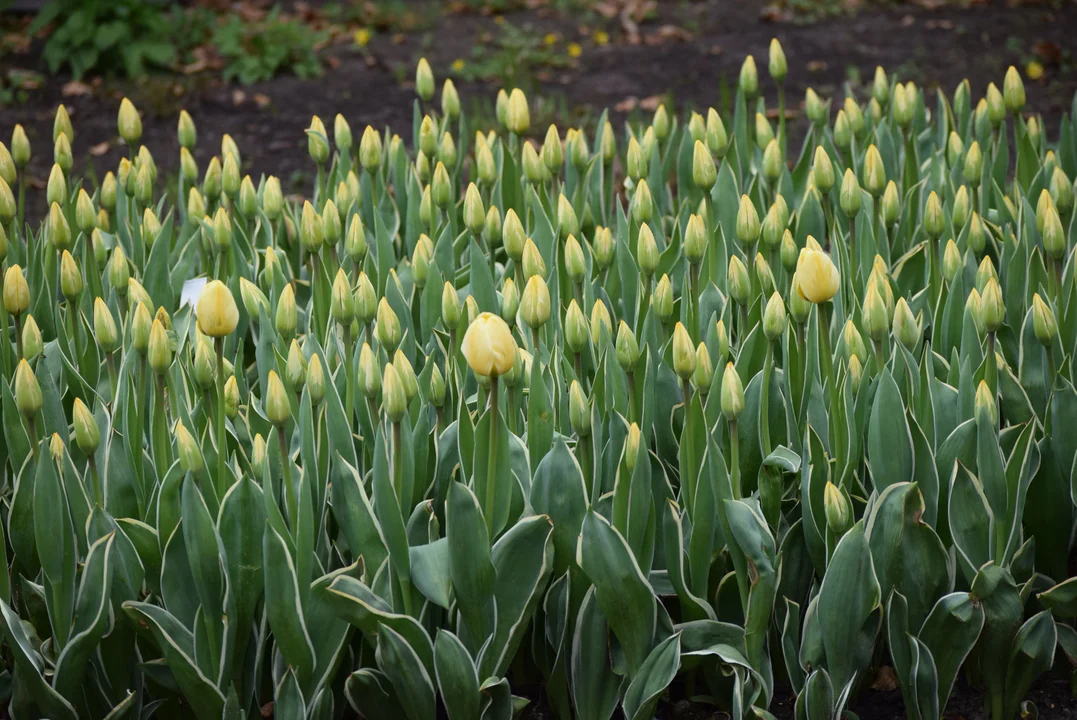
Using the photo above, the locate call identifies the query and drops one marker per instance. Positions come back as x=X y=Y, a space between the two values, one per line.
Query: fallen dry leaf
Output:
x=238 y=97
x=885 y=679
x=99 y=149
x=627 y=105
x=262 y=100
x=1050 y=52
x=817 y=65
x=651 y=103
x=75 y=89
x=790 y=113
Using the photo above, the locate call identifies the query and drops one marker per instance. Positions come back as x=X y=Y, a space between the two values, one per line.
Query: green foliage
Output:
x=111 y=36
x=254 y=52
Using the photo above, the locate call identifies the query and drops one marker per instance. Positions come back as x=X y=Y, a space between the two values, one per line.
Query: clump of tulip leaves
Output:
x=601 y=420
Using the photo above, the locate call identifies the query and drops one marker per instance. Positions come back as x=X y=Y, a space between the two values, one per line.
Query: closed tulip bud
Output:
x=873 y=173
x=704 y=172
x=1043 y=204
x=56 y=448
x=32 y=344
x=119 y=273
x=437 y=387
x=441 y=187
x=217 y=312
x=732 y=393
x=576 y=333
x=394 y=399
x=974 y=162
x=662 y=299
x=960 y=212
x=317 y=141
x=763 y=132
x=185 y=131
x=738 y=283
x=342 y=305
x=552 y=151
x=474 y=212
x=1032 y=127
x=70 y=276
x=903 y=106
x=749 y=78
x=513 y=236
x=424 y=80
x=143 y=190
x=764 y=274
x=822 y=171
x=517 y=113
x=222 y=231
x=1043 y=321
x=955 y=147
x=600 y=318
x=647 y=146
x=642 y=203
x=575 y=264
x=388 y=328
x=977 y=237
x=873 y=314
x=951 y=261
x=129 y=123
x=1013 y=90
x=535 y=303
x=647 y=252
x=906 y=328
x=295 y=368
x=85 y=216
x=579 y=410
x=311 y=231
x=501 y=108
x=20 y=146
x=1062 y=191
x=992 y=309
x=8 y=208
x=277 y=406
x=774 y=318
x=450 y=307
x=934 y=222
x=660 y=122
x=8 y=173
x=602 y=247
x=488 y=346
x=985 y=405
x=56 y=188
x=230 y=179
x=635 y=162
x=818 y=276
x=777 y=65
x=697 y=128
x=211 y=181
x=789 y=251
x=406 y=373
x=839 y=515
x=854 y=115
x=695 y=239
x=87 y=433
x=843 y=133
x=1054 y=236
x=510 y=301
x=104 y=326
x=447 y=150
x=773 y=163
x=854 y=343
x=984 y=272
x=286 y=317
x=684 y=355
x=973 y=308
x=815 y=108
x=880 y=88
x=627 y=347
x=891 y=203
x=717 y=138
x=748 y=225
x=61 y=153
x=369 y=373
x=532 y=262
x=851 y=196
x=159 y=351
x=205 y=366
x=189 y=452
x=27 y=390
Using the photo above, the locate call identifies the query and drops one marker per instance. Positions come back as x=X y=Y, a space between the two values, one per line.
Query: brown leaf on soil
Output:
x=1049 y=52
x=607 y=9
x=266 y=710
x=885 y=679
x=332 y=61
x=908 y=21
x=650 y=104
x=817 y=65
x=262 y=100
x=790 y=113
x=99 y=149
x=75 y=89
x=667 y=33
x=939 y=25
x=238 y=97
x=627 y=105
x=771 y=13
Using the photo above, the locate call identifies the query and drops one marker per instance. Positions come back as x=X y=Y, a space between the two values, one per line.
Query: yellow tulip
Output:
x=488 y=346
x=818 y=276
x=217 y=312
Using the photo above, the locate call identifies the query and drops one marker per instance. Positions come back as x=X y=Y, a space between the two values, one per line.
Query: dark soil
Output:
x=687 y=52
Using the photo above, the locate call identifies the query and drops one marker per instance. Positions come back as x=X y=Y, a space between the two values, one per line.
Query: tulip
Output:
x=817 y=275
x=488 y=346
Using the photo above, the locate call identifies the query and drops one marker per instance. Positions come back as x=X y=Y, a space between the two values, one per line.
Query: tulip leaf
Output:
x=890 y=447
x=652 y=679
x=457 y=678
x=409 y=676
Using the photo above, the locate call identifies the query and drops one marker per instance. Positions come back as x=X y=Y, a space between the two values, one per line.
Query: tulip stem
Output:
x=880 y=357
x=22 y=210
x=491 y=467
x=632 y=396
x=222 y=451
x=349 y=374
x=535 y=341
x=98 y=493
x=110 y=361
x=764 y=398
x=289 y=485
x=1050 y=369
x=824 y=342
x=18 y=336
x=31 y=426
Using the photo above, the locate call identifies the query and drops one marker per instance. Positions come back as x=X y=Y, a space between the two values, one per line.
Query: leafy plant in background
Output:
x=480 y=415
x=254 y=52
x=110 y=36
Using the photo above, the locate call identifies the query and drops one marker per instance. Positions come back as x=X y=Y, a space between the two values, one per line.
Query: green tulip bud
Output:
x=774 y=318
x=789 y=251
x=992 y=309
x=185 y=131
x=474 y=212
x=627 y=347
x=579 y=410
x=422 y=165
x=342 y=134
x=1013 y=90
x=906 y=328
x=159 y=350
x=985 y=404
x=1043 y=321
x=188 y=449
x=406 y=373
x=230 y=179
x=777 y=65
x=850 y=197
x=535 y=302
x=342 y=305
x=59 y=230
x=602 y=247
x=70 y=277
x=552 y=152
x=424 y=80
x=960 y=213
x=854 y=342
x=450 y=307
x=56 y=189
x=441 y=187
x=104 y=326
x=839 y=515
x=732 y=394
x=697 y=128
x=277 y=406
x=955 y=147
x=635 y=162
x=814 y=107
x=642 y=203
x=985 y=271
x=205 y=367
x=258 y=455
x=32 y=344
x=773 y=163
x=287 y=317
x=61 y=153
x=229 y=147
x=704 y=370
x=951 y=261
x=873 y=173
x=609 y=143
x=704 y=172
x=87 y=433
x=579 y=153
x=684 y=355
x=295 y=368
x=749 y=78
x=394 y=399
x=1054 y=236
x=450 y=100
x=129 y=123
x=437 y=387
x=717 y=138
x=447 y=150
x=140 y=329
x=575 y=263
x=1061 y=191
x=317 y=141
x=996 y=106
x=487 y=168
x=85 y=215
x=903 y=106
x=369 y=373
x=513 y=236
x=631 y=449
x=532 y=263
x=880 y=88
x=854 y=115
x=891 y=203
x=576 y=332
x=934 y=223
x=843 y=134
x=647 y=251
x=748 y=225
x=518 y=114
x=600 y=318
x=27 y=390
x=763 y=132
x=738 y=283
x=20 y=146
x=137 y=294
x=973 y=167
x=212 y=180
x=388 y=329
x=660 y=122
x=248 y=198
x=873 y=314
x=662 y=299
x=695 y=239
x=143 y=190
x=856 y=373
x=222 y=230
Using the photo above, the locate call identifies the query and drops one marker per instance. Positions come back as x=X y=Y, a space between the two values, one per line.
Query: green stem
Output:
x=491 y=467
x=349 y=374
x=31 y=425
x=734 y=460
x=98 y=492
x=824 y=343
x=18 y=337
x=162 y=446
x=222 y=447
x=764 y=398
x=290 y=499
